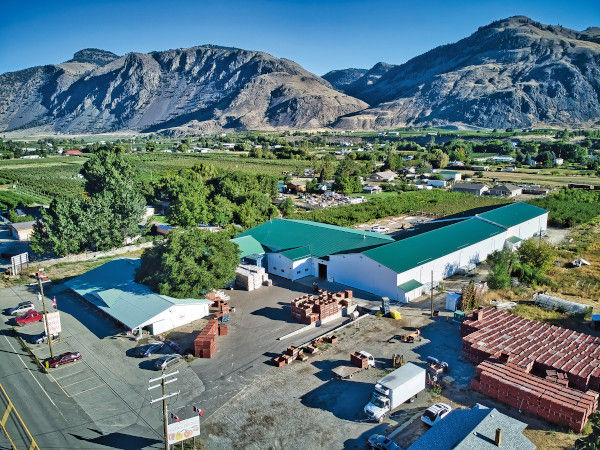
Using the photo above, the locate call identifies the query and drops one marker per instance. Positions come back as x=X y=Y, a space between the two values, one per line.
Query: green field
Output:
x=43 y=179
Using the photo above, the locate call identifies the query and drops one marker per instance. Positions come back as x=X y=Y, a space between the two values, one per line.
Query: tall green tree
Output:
x=189 y=263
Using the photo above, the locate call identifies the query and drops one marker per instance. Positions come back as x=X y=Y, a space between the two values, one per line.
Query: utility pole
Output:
x=164 y=380
x=431 y=294
x=48 y=333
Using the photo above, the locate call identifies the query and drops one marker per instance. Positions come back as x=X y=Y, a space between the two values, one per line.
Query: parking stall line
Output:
x=68 y=375
x=79 y=381
x=87 y=390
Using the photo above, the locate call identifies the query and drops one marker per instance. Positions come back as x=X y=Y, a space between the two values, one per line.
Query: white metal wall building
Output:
x=401 y=270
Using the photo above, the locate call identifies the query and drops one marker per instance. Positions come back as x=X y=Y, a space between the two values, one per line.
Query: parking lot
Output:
x=110 y=385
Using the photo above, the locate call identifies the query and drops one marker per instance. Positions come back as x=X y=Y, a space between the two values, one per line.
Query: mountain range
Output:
x=513 y=72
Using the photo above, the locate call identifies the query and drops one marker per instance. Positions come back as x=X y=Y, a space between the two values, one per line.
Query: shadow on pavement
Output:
x=344 y=399
x=119 y=440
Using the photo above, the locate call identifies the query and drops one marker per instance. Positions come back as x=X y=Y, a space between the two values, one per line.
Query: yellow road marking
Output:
x=6 y=414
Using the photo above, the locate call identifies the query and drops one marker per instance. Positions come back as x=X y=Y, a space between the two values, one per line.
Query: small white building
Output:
x=111 y=289
x=450 y=175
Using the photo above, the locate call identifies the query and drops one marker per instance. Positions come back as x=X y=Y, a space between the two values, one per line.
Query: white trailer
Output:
x=394 y=389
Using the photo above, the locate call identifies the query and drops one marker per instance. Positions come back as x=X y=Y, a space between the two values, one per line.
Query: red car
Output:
x=65 y=358
x=28 y=317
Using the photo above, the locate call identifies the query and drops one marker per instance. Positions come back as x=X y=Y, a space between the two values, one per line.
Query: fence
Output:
x=7 y=412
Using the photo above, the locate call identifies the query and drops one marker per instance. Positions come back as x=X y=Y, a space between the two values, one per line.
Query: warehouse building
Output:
x=401 y=270
x=111 y=289
x=299 y=248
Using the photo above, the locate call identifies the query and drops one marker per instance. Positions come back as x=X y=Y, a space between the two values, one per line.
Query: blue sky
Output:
x=320 y=35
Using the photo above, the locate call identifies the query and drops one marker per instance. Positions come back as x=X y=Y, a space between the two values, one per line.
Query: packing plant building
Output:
x=401 y=270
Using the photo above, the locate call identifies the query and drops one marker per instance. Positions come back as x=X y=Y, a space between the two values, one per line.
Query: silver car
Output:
x=21 y=308
x=42 y=338
x=166 y=361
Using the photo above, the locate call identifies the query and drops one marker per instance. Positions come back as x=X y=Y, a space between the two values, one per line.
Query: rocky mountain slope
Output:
x=203 y=88
x=340 y=79
x=511 y=73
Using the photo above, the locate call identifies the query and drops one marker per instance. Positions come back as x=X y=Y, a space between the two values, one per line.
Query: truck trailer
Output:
x=394 y=389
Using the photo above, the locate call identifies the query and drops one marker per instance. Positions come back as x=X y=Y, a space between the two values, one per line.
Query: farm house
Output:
x=401 y=270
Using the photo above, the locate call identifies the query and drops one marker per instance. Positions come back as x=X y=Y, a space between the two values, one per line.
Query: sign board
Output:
x=53 y=323
x=186 y=429
x=17 y=262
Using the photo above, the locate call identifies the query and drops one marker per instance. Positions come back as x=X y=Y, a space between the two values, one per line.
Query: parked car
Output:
x=64 y=358
x=42 y=338
x=29 y=317
x=21 y=308
x=147 y=350
x=435 y=413
x=379 y=229
x=166 y=361
x=380 y=442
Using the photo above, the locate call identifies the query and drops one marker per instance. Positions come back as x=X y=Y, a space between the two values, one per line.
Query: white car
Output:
x=379 y=229
x=435 y=413
x=21 y=308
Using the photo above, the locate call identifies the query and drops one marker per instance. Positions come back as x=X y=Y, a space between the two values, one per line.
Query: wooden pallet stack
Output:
x=543 y=397
x=539 y=368
x=250 y=277
x=314 y=308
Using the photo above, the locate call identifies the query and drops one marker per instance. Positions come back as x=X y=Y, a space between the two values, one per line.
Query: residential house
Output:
x=478 y=428
x=471 y=188
x=450 y=175
x=73 y=153
x=385 y=176
x=505 y=190
x=480 y=168
x=510 y=169
x=437 y=183
x=22 y=230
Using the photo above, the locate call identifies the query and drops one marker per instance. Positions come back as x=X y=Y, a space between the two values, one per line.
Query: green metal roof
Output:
x=513 y=214
x=248 y=246
x=449 y=172
x=514 y=239
x=410 y=285
x=298 y=239
x=411 y=252
x=111 y=288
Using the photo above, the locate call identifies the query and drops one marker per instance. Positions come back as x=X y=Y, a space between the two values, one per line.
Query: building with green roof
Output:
x=111 y=289
x=298 y=248
x=376 y=263
x=403 y=270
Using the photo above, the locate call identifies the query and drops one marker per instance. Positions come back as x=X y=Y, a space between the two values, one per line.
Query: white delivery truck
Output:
x=394 y=389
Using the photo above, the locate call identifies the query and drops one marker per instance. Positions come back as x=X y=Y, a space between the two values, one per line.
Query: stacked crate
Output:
x=358 y=360
x=314 y=308
x=510 y=350
x=205 y=344
x=250 y=277
x=542 y=397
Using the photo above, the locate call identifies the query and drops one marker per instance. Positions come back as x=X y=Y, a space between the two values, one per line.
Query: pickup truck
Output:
x=29 y=317
x=346 y=371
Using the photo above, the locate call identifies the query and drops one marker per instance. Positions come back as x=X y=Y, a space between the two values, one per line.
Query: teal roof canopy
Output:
x=414 y=251
x=513 y=214
x=410 y=285
x=110 y=287
x=248 y=246
x=299 y=239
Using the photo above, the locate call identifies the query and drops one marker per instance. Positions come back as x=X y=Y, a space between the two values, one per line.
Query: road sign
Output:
x=53 y=323
x=186 y=429
x=17 y=262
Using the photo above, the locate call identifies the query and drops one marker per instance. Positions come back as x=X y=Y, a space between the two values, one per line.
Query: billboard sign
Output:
x=18 y=261
x=185 y=429
x=53 y=323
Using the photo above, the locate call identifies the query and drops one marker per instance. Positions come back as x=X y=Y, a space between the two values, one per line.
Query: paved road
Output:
x=72 y=408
